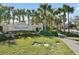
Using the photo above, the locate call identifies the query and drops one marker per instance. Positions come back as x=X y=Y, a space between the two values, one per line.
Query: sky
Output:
x=36 y=5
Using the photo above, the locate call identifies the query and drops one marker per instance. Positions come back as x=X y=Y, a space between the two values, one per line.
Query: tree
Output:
x=23 y=13
x=69 y=10
x=35 y=17
x=51 y=15
x=57 y=17
x=28 y=12
x=64 y=11
x=9 y=16
x=14 y=14
x=43 y=9
x=2 y=11
x=76 y=20
x=17 y=12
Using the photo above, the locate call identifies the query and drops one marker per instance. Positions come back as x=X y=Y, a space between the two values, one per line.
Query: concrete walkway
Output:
x=73 y=45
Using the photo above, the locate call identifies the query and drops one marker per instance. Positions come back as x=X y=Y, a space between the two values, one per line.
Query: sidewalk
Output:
x=73 y=45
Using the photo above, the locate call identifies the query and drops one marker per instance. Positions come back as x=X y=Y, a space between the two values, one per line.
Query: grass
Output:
x=24 y=46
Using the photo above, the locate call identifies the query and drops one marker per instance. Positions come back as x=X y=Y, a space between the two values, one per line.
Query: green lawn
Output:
x=25 y=47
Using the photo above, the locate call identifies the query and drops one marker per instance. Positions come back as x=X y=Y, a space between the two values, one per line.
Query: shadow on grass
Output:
x=9 y=42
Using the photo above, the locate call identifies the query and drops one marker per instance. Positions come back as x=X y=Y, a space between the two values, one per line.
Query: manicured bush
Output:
x=1 y=28
x=49 y=33
x=69 y=34
x=72 y=34
x=3 y=37
x=23 y=34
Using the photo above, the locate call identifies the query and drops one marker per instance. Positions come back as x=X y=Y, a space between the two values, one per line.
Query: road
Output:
x=73 y=45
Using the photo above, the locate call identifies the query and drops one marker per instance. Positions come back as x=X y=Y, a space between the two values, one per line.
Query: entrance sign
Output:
x=22 y=27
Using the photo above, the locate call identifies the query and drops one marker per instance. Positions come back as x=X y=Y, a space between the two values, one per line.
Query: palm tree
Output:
x=14 y=14
x=57 y=17
x=64 y=11
x=35 y=17
x=28 y=12
x=2 y=11
x=50 y=15
x=7 y=15
x=76 y=20
x=23 y=13
x=9 y=10
x=43 y=9
x=69 y=10
x=18 y=13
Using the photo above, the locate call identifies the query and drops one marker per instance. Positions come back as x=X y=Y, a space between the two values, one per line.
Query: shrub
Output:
x=23 y=34
x=3 y=37
x=47 y=28
x=49 y=33
x=1 y=28
x=72 y=34
x=69 y=34
x=37 y=29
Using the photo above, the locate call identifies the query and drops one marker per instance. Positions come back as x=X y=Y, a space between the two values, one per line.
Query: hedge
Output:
x=49 y=33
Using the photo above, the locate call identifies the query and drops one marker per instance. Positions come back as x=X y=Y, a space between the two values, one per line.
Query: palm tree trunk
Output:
x=76 y=27
x=60 y=28
x=28 y=19
x=13 y=20
x=0 y=18
x=9 y=21
x=68 y=23
x=19 y=19
x=23 y=18
x=50 y=24
x=64 y=27
x=64 y=18
x=57 y=27
x=45 y=25
x=45 y=20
